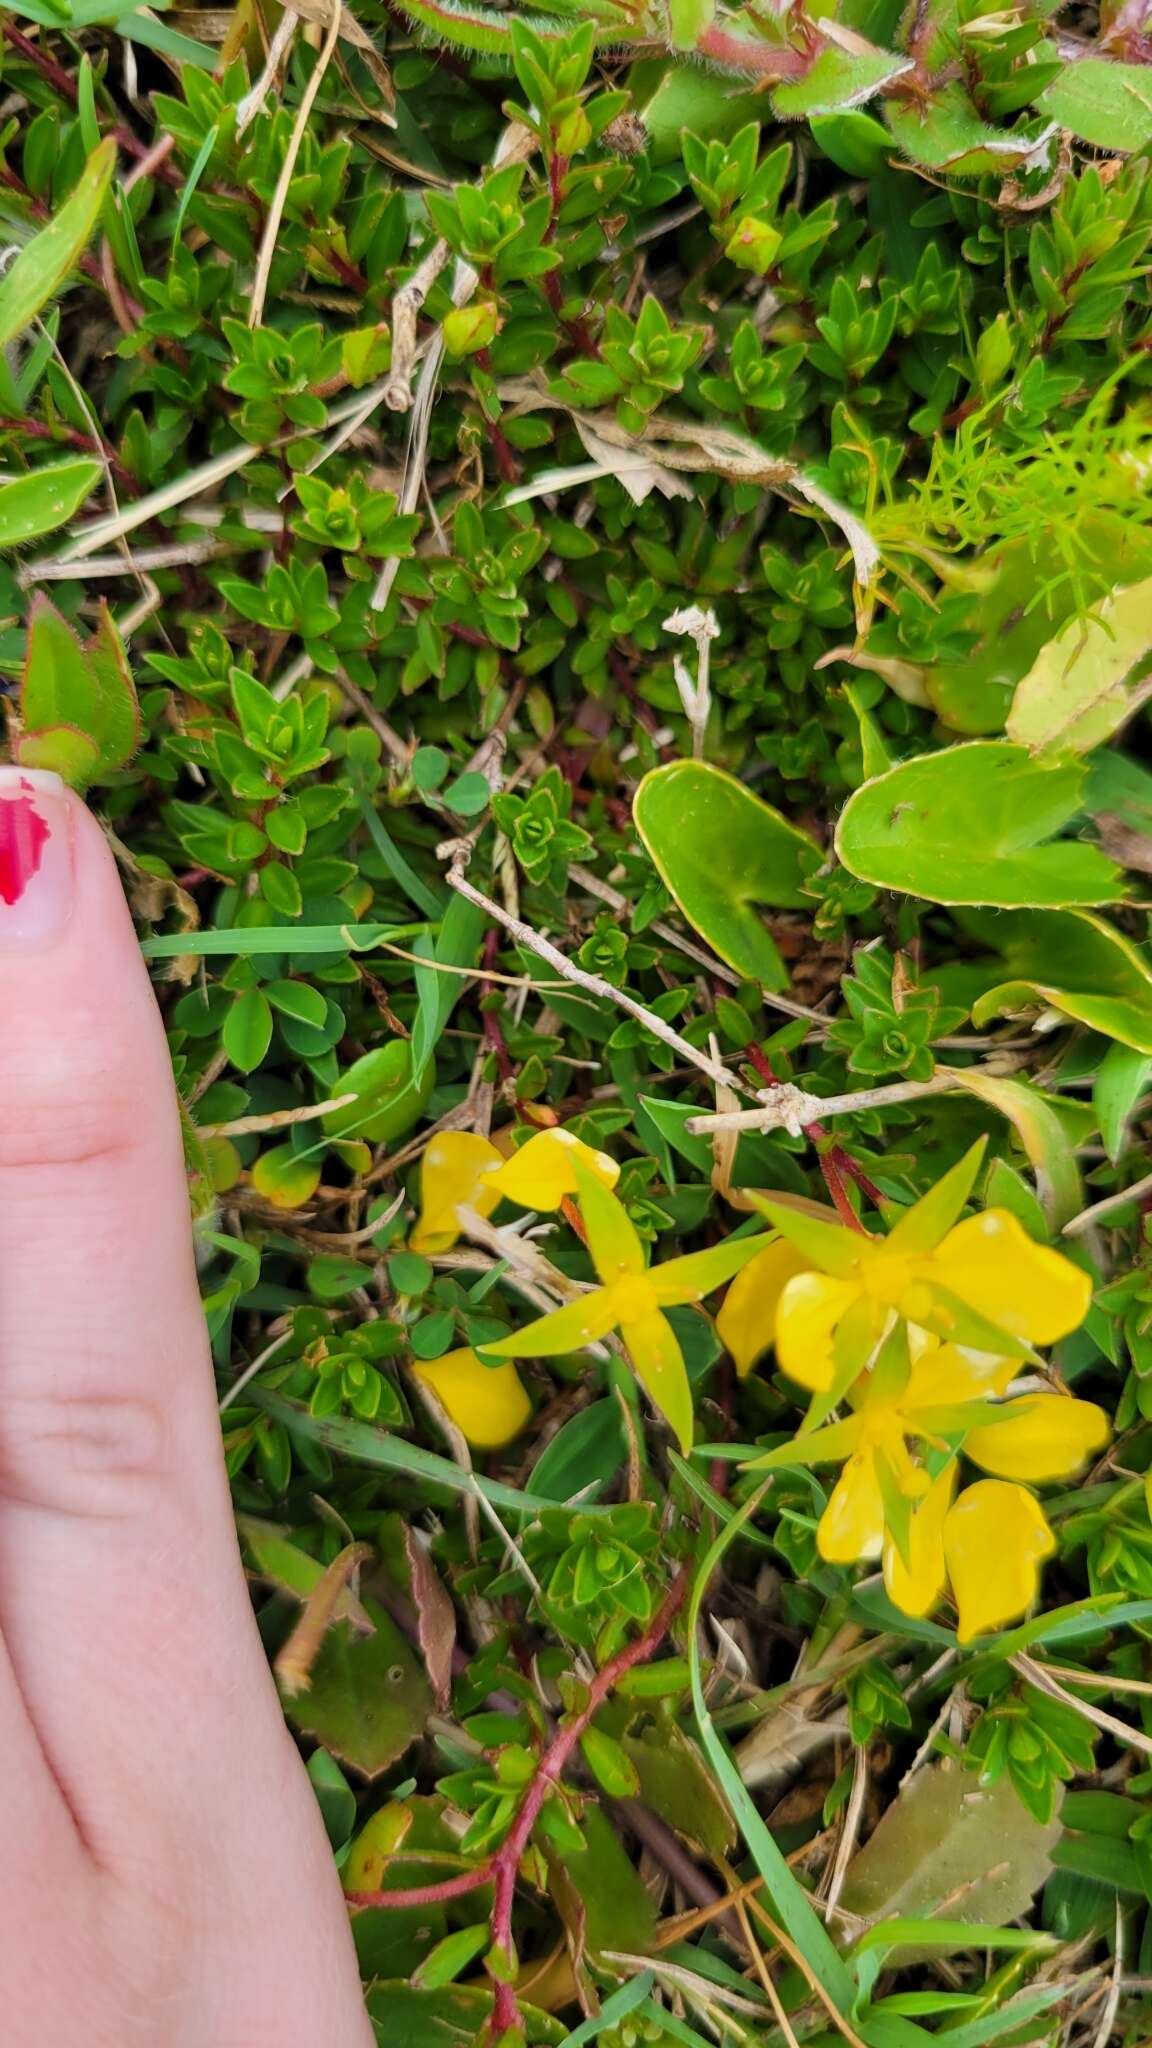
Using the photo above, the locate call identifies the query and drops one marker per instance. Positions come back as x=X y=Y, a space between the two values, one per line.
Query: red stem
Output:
x=503 y=1866
x=836 y=1164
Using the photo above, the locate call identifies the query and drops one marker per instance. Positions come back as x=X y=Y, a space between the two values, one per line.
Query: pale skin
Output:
x=165 y=1880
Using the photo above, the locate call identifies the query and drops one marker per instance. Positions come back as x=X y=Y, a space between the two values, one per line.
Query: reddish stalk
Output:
x=836 y=1164
x=502 y=1868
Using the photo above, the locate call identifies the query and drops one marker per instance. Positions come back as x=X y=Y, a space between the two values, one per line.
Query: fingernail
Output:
x=35 y=859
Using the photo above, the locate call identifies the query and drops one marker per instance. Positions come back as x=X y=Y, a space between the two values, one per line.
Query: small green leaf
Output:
x=43 y=263
x=46 y=498
x=444 y=1963
x=1076 y=963
x=1121 y=1082
x=369 y=1699
x=609 y=1764
x=912 y=830
x=247 y=1031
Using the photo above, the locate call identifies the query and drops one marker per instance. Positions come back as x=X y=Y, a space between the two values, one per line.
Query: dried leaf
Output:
x=951 y=1847
x=435 y=1617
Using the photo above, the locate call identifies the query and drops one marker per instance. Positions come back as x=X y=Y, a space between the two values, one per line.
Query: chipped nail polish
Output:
x=35 y=859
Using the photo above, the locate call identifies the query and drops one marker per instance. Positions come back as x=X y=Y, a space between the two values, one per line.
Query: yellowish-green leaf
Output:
x=44 y=262
x=1084 y=682
x=1042 y=1135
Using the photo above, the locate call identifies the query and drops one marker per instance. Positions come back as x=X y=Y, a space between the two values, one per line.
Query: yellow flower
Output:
x=462 y=1170
x=747 y=1321
x=995 y=1540
x=543 y=1171
x=983 y=1283
x=487 y=1403
x=453 y=1174
x=886 y=1504
x=632 y=1298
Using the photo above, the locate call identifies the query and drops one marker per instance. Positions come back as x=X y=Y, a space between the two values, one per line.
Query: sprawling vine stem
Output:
x=502 y=1867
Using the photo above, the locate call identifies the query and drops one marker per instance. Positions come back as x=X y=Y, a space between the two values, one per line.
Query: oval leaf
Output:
x=720 y=851
x=38 y=503
x=974 y=824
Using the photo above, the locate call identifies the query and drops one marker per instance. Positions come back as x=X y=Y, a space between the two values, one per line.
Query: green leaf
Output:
x=945 y=133
x=609 y=1764
x=87 y=690
x=912 y=830
x=585 y=1454
x=43 y=263
x=673 y=100
x=448 y=2016
x=367 y=1445
x=247 y=1031
x=388 y=1099
x=676 y=1783
x=369 y=1699
x=1107 y=104
x=443 y=1964
x=1076 y=692
x=856 y=143
x=1120 y=1084
x=688 y=20
x=838 y=79
x=253 y=942
x=720 y=851
x=46 y=498
x=1079 y=965
x=1042 y=1135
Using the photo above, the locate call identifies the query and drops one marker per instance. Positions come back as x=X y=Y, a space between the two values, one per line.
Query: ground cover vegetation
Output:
x=597 y=568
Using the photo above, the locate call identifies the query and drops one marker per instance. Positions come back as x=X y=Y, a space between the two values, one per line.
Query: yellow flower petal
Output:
x=454 y=1171
x=487 y=1403
x=995 y=1538
x=1049 y=1436
x=565 y=1329
x=746 y=1324
x=652 y=1346
x=542 y=1172
x=953 y=1372
x=915 y=1587
x=852 y=1525
x=613 y=1239
x=808 y=1311
x=992 y=1265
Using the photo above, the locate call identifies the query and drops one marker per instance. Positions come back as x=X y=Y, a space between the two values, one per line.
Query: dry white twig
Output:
x=1088 y=1217
x=288 y=167
x=786 y=1105
x=592 y=983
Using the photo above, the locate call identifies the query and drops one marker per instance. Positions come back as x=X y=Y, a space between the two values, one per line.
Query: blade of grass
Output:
x=370 y=1446
x=790 y=1902
x=262 y=940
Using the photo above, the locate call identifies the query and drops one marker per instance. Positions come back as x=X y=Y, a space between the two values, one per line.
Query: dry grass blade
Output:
x=288 y=167
x=295 y=1663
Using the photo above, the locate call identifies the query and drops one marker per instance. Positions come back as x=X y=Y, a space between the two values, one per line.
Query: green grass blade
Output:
x=260 y=941
x=787 y=1899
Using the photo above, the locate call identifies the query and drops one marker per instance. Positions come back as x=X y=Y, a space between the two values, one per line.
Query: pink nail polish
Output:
x=35 y=858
